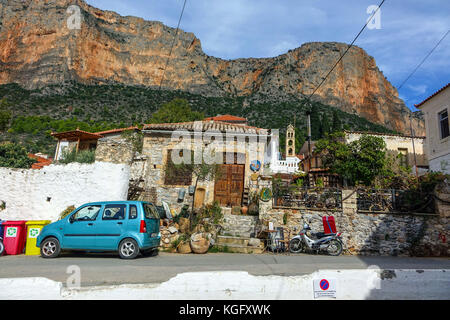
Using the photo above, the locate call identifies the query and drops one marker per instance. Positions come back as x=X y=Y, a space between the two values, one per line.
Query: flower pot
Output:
x=200 y=243
x=184 y=247
x=253 y=209
x=244 y=210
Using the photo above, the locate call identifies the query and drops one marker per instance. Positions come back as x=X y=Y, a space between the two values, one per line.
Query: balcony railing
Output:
x=395 y=201
x=317 y=198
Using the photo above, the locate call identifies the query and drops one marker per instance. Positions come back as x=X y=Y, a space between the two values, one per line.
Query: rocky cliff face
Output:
x=38 y=48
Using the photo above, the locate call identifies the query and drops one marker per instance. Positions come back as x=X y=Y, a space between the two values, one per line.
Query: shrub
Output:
x=66 y=212
x=84 y=156
x=212 y=211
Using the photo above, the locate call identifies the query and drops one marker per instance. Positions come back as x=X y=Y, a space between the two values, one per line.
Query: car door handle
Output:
x=119 y=223
x=90 y=224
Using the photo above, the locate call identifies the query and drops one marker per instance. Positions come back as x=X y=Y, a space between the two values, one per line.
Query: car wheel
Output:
x=50 y=248
x=128 y=249
x=2 y=248
x=150 y=253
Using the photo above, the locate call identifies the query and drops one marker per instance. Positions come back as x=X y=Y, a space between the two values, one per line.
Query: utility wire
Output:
x=421 y=63
x=349 y=47
x=173 y=43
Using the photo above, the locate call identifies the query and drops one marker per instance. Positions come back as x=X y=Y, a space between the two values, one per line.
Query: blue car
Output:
x=126 y=227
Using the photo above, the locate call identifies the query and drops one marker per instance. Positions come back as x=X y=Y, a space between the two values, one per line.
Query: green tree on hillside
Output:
x=336 y=125
x=177 y=110
x=325 y=127
x=315 y=122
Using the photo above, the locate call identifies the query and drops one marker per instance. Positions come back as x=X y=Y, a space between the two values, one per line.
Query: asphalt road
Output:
x=108 y=269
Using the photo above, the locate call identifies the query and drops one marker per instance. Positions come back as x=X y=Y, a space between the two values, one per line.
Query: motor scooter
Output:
x=331 y=242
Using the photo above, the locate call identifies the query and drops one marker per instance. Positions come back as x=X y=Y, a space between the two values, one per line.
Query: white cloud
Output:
x=418 y=89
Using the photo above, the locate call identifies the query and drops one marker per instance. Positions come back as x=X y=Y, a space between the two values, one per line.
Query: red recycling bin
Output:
x=329 y=226
x=14 y=236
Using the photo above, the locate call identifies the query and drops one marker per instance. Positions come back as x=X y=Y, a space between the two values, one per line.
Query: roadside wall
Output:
x=370 y=234
x=44 y=194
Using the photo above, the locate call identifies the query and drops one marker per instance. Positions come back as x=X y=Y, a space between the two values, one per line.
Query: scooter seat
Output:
x=323 y=235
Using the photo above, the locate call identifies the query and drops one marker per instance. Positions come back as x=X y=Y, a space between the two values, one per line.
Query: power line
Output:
x=173 y=43
x=421 y=63
x=351 y=45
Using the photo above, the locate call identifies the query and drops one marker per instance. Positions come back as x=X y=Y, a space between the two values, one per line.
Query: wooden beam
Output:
x=78 y=144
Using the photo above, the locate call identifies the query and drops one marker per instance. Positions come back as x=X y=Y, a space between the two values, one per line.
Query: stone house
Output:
x=436 y=109
x=83 y=140
x=234 y=147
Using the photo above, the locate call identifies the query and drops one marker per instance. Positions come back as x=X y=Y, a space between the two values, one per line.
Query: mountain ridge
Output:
x=37 y=49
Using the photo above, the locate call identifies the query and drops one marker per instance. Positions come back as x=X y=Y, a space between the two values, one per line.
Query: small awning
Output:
x=76 y=135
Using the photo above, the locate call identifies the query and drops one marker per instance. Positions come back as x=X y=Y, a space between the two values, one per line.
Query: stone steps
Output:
x=234 y=248
x=236 y=225
x=225 y=240
x=237 y=233
x=239 y=245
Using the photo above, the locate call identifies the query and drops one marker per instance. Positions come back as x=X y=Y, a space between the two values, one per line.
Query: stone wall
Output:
x=155 y=150
x=114 y=150
x=370 y=234
x=44 y=194
x=238 y=225
x=443 y=199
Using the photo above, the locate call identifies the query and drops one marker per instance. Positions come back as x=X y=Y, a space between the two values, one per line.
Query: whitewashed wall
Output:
x=25 y=191
x=441 y=164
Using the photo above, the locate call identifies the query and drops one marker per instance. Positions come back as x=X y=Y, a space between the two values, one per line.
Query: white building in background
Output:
x=410 y=150
x=436 y=109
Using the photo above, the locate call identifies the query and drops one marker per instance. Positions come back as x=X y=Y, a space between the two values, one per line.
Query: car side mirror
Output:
x=71 y=219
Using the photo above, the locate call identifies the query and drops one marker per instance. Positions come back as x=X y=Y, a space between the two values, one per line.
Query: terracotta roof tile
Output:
x=383 y=134
x=75 y=134
x=225 y=117
x=116 y=130
x=41 y=162
x=215 y=126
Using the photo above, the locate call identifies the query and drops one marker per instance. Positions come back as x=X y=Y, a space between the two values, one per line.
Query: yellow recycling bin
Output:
x=33 y=230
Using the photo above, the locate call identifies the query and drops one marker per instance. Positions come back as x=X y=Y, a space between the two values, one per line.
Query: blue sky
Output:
x=232 y=29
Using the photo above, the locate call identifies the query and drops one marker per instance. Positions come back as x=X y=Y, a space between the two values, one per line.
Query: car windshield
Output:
x=150 y=211
x=88 y=213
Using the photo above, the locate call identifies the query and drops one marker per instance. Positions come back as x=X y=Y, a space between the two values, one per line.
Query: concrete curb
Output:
x=232 y=285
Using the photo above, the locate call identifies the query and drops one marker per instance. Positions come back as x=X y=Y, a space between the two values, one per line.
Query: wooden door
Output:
x=236 y=184
x=199 y=198
x=229 y=187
